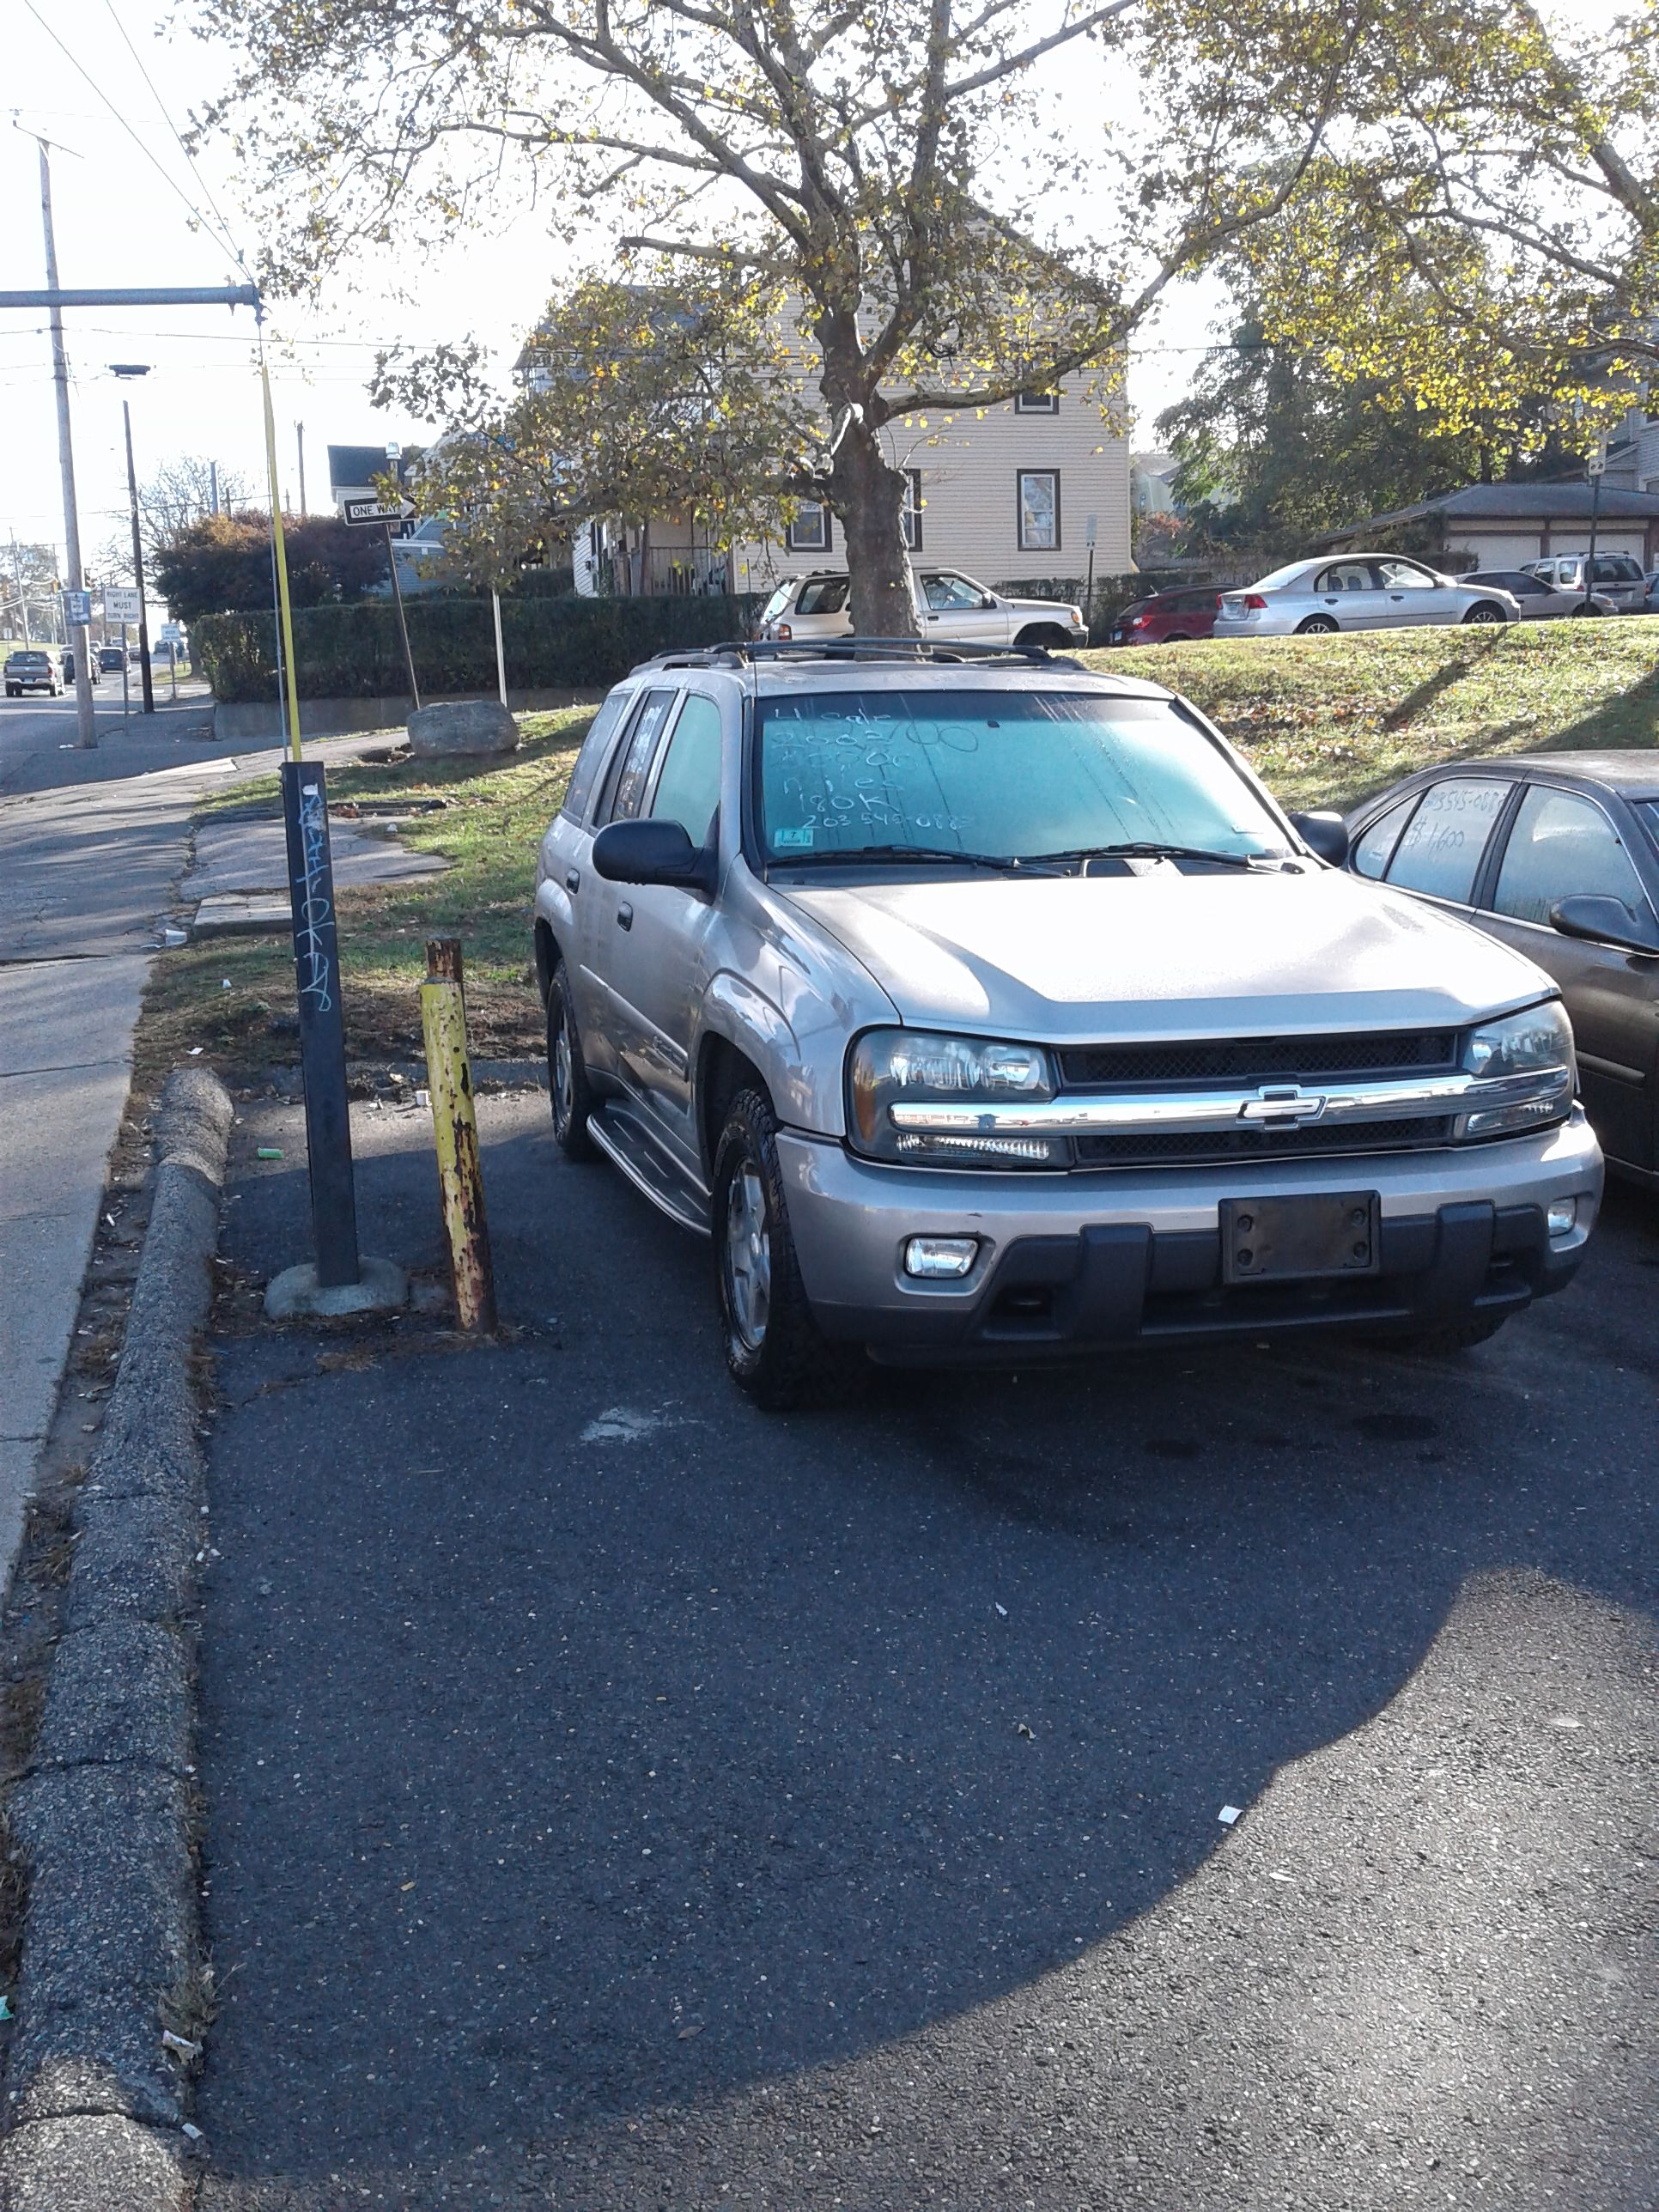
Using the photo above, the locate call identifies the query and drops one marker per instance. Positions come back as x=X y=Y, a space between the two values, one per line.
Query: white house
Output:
x=1015 y=494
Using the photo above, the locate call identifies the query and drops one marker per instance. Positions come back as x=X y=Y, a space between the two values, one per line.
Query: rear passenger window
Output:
x=1440 y=852
x=1370 y=852
x=633 y=769
x=591 y=758
x=689 y=789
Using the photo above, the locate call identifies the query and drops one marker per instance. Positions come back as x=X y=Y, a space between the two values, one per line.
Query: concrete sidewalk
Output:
x=88 y=865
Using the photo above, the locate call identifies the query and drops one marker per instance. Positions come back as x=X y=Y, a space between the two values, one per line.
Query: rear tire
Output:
x=1317 y=626
x=567 y=1090
x=774 y=1351
x=1485 y=613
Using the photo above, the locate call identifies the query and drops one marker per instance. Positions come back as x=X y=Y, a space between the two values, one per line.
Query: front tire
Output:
x=774 y=1351
x=568 y=1088
x=1051 y=638
x=1484 y=614
x=1317 y=626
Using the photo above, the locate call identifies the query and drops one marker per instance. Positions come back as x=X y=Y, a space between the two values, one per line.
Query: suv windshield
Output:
x=1023 y=774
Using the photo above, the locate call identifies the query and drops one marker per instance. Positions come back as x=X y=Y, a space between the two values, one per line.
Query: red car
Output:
x=1167 y=618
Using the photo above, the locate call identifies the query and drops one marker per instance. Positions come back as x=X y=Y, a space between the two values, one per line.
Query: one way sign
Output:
x=382 y=512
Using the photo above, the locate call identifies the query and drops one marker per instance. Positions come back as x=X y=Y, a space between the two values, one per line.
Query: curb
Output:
x=104 y=1818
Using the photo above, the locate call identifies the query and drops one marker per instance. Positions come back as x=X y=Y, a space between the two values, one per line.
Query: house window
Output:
x=1036 y=402
x=912 y=515
x=810 y=531
x=1038 y=511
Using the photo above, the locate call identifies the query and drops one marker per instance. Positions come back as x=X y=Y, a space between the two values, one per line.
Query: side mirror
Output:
x=1327 y=835
x=653 y=853
x=989 y=600
x=1604 y=921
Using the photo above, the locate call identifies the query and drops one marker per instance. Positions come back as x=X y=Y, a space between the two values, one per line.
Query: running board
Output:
x=625 y=1141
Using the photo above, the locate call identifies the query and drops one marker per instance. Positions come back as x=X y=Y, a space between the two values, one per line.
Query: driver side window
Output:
x=688 y=787
x=1563 y=847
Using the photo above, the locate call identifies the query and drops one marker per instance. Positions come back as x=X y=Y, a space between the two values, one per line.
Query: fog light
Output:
x=941 y=1258
x=1562 y=1216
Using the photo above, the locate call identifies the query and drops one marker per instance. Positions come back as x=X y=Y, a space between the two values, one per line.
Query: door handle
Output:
x=625 y=917
x=573 y=880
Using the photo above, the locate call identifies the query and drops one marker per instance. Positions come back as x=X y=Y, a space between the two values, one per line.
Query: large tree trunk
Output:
x=867 y=496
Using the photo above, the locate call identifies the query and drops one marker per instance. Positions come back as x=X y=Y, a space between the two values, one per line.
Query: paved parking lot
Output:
x=618 y=1797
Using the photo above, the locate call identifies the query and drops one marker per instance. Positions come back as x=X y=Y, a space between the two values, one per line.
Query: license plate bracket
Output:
x=1321 y=1233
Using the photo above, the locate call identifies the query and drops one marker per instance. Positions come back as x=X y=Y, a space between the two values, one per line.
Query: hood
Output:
x=1165 y=955
x=1037 y=606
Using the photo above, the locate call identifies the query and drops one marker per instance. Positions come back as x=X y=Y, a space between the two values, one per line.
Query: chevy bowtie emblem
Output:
x=1283 y=1101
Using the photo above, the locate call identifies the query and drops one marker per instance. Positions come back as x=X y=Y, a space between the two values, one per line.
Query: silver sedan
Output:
x=1358 y=591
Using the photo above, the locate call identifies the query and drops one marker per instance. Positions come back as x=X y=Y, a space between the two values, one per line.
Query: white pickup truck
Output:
x=955 y=609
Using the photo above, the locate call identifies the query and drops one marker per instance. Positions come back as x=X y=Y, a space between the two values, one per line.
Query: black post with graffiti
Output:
x=322 y=1024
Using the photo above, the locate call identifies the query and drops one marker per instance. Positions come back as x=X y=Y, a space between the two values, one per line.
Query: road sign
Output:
x=78 y=609
x=380 y=512
x=1598 y=460
x=122 y=604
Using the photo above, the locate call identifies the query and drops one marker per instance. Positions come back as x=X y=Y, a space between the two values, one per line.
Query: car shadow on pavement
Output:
x=579 y=1742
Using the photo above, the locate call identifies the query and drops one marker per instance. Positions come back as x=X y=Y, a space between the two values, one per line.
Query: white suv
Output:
x=955 y=609
x=1618 y=577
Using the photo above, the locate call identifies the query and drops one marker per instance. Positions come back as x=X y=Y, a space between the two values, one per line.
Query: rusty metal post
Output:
x=455 y=1126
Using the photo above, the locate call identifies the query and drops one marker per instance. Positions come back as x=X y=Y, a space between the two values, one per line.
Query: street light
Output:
x=126 y=370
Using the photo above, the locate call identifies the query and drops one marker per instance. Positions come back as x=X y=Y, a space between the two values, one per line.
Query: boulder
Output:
x=462 y=726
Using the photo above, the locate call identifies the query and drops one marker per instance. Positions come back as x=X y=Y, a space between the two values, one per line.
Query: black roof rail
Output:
x=738 y=653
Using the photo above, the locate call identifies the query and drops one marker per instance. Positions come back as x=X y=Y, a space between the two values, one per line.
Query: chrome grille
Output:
x=1152 y=1148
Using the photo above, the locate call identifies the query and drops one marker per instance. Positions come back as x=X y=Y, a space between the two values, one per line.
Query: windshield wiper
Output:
x=1004 y=862
x=1147 y=849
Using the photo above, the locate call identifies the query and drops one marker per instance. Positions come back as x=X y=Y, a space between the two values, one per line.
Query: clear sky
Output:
x=118 y=197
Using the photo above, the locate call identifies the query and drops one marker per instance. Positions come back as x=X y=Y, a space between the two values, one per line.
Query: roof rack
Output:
x=739 y=652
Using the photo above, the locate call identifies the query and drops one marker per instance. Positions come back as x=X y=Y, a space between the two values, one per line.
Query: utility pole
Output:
x=80 y=636
x=17 y=578
x=128 y=368
x=300 y=434
x=213 y=485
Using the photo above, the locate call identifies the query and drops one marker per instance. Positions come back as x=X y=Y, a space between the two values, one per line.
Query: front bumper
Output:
x=1134 y=1256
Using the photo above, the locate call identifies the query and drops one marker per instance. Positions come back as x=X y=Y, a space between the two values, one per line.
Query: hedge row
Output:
x=1111 y=593
x=355 y=651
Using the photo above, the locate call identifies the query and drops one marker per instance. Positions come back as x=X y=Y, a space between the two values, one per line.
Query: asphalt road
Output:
x=618 y=1797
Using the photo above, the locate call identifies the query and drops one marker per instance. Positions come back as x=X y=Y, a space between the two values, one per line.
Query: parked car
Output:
x=1555 y=855
x=1538 y=599
x=954 y=609
x=1167 y=618
x=1650 y=588
x=112 y=658
x=29 y=671
x=995 y=1011
x=1617 y=576
x=1359 y=591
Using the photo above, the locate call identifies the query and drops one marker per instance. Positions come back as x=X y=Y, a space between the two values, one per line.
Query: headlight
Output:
x=1528 y=1058
x=886 y=1067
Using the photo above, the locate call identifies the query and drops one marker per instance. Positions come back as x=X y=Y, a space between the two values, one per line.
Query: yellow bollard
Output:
x=455 y=1125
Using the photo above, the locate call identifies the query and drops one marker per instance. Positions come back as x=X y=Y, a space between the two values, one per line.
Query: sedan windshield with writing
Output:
x=1010 y=773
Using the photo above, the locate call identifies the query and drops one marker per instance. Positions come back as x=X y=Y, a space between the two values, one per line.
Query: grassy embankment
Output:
x=1324 y=721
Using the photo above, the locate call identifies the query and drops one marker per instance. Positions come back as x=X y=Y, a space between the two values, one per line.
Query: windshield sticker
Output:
x=789 y=840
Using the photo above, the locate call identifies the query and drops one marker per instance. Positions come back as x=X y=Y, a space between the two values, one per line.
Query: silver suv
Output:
x=989 y=1007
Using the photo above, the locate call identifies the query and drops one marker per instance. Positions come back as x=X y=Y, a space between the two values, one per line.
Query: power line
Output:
x=196 y=169
x=165 y=175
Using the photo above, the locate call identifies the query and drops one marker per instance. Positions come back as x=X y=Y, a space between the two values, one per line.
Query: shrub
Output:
x=354 y=652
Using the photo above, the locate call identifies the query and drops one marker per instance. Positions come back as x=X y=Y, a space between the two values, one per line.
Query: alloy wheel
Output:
x=748 y=1257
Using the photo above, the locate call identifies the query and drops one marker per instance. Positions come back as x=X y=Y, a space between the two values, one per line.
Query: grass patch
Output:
x=234 y=998
x=1326 y=720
